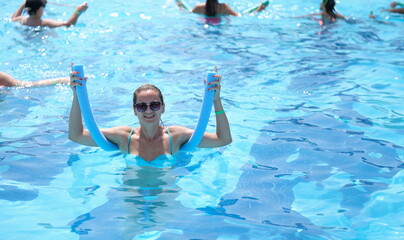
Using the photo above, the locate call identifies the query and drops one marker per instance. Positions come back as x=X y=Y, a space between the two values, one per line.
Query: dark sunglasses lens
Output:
x=141 y=107
x=155 y=106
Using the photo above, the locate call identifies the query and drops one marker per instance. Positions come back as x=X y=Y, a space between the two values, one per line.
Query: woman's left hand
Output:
x=217 y=87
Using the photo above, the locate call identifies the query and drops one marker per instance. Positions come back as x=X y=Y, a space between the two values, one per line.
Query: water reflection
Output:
x=145 y=201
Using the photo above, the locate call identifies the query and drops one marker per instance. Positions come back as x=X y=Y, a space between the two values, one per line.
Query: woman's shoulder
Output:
x=180 y=131
x=200 y=5
x=180 y=135
x=199 y=8
x=225 y=9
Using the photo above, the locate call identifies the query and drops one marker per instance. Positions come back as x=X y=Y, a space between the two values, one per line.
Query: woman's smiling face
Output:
x=148 y=116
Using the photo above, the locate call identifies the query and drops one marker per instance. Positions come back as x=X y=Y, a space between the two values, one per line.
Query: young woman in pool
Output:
x=35 y=10
x=8 y=81
x=212 y=8
x=150 y=140
x=328 y=13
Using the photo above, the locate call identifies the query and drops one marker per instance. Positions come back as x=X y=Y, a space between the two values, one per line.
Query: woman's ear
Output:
x=164 y=108
x=134 y=111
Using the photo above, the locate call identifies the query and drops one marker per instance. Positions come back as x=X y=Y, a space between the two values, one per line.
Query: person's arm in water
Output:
x=341 y=16
x=257 y=9
x=262 y=6
x=309 y=15
x=71 y=21
x=17 y=14
x=8 y=81
x=394 y=10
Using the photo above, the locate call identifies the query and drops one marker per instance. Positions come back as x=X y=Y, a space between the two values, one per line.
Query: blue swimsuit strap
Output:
x=169 y=137
x=130 y=135
x=171 y=141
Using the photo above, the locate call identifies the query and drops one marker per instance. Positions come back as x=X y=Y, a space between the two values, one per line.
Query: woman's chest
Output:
x=149 y=150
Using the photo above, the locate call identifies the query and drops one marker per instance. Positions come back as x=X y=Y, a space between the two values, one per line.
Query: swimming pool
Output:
x=315 y=112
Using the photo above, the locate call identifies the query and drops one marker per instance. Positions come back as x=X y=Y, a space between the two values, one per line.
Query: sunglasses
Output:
x=142 y=107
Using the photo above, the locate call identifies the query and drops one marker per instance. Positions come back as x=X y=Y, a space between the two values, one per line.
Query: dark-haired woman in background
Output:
x=328 y=13
x=212 y=8
x=213 y=11
x=35 y=10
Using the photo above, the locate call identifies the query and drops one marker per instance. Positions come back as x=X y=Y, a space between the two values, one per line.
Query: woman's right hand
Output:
x=75 y=81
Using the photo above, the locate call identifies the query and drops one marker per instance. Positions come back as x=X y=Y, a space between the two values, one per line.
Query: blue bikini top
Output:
x=162 y=161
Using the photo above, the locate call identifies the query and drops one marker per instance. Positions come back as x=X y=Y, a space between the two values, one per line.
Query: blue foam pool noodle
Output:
x=87 y=114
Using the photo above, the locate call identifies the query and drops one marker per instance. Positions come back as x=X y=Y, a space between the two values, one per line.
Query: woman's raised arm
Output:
x=222 y=136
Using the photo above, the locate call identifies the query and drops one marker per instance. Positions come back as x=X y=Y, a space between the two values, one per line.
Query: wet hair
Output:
x=210 y=8
x=146 y=87
x=329 y=7
x=32 y=6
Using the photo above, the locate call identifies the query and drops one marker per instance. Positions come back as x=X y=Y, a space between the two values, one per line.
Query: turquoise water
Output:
x=316 y=115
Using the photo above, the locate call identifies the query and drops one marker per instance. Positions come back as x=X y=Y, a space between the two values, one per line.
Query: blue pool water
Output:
x=316 y=116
